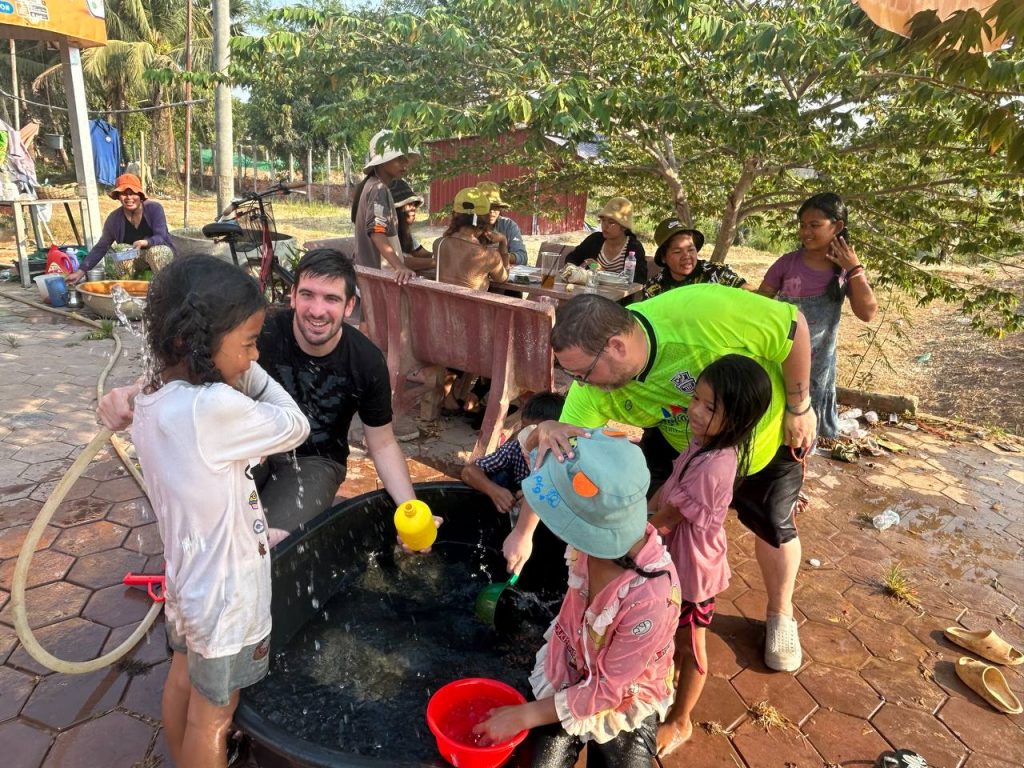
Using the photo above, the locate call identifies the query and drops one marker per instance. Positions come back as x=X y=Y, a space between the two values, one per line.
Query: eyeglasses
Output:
x=581 y=378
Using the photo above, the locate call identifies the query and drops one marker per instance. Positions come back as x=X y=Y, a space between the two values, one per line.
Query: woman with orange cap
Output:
x=139 y=222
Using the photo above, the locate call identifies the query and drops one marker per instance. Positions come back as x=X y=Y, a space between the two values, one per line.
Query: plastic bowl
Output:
x=96 y=296
x=456 y=707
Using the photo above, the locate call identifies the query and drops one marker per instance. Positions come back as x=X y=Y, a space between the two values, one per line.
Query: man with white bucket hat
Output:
x=373 y=211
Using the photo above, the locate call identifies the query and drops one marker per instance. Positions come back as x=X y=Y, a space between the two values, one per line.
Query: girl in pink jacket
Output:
x=605 y=675
x=731 y=396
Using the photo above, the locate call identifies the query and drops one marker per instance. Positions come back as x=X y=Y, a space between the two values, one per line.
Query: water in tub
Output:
x=359 y=677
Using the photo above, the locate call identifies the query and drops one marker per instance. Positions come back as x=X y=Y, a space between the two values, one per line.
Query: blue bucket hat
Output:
x=597 y=501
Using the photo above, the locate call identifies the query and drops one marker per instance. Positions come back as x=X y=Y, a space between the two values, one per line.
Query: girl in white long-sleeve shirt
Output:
x=197 y=437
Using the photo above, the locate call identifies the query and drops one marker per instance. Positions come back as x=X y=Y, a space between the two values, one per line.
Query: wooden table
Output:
x=19 y=206
x=563 y=292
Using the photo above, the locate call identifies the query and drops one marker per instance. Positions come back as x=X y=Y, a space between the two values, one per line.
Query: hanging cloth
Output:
x=20 y=162
x=106 y=151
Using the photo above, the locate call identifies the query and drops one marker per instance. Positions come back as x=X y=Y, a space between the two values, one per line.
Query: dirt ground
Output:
x=931 y=351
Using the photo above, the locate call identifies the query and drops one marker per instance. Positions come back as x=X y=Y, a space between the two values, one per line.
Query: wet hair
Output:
x=630 y=564
x=743 y=393
x=192 y=304
x=834 y=209
x=543 y=406
x=588 y=321
x=328 y=262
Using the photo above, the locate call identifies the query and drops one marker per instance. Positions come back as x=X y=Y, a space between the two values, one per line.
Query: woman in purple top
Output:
x=817 y=278
x=139 y=222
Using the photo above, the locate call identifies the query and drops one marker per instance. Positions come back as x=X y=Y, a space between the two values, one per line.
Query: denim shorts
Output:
x=216 y=679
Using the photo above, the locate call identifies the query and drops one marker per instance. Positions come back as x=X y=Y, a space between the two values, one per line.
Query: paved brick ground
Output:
x=877 y=673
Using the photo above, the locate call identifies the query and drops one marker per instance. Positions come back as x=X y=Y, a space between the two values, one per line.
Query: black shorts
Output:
x=765 y=500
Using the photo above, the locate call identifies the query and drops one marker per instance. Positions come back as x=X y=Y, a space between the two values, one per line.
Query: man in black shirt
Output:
x=332 y=371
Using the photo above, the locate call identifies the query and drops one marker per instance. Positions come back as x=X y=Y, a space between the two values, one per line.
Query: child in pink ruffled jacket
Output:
x=605 y=675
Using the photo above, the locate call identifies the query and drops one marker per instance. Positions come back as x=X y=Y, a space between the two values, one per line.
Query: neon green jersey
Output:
x=687 y=329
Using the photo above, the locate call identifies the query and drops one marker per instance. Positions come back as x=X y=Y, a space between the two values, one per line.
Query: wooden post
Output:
x=327 y=178
x=291 y=167
x=142 y=157
x=14 y=86
x=78 y=120
x=309 y=174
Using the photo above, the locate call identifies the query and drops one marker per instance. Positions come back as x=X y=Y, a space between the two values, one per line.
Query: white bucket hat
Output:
x=380 y=152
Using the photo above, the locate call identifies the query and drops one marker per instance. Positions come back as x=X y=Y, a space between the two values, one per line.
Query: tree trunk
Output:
x=730 y=214
x=222 y=103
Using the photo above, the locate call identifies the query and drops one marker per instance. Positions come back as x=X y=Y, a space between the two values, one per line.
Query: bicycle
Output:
x=247 y=226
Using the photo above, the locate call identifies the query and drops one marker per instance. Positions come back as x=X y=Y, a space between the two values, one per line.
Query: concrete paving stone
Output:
x=117 y=606
x=781 y=690
x=983 y=729
x=60 y=701
x=722 y=657
x=132 y=513
x=908 y=684
x=22 y=745
x=49 y=604
x=871 y=601
x=909 y=728
x=833 y=645
x=840 y=689
x=144 y=690
x=737 y=586
x=820 y=603
x=37 y=436
x=44 y=453
x=705 y=750
x=145 y=539
x=71 y=640
x=981 y=598
x=928 y=630
x=4 y=598
x=122 y=489
x=15 y=491
x=889 y=641
x=90 y=537
x=719 y=703
x=122 y=740
x=73 y=512
x=151 y=649
x=935 y=601
x=748 y=570
x=8 y=639
x=885 y=481
x=45 y=470
x=159 y=753
x=105 y=569
x=822 y=578
x=744 y=638
x=978 y=760
x=762 y=748
x=15 y=688
x=104 y=469
x=47 y=565
x=844 y=740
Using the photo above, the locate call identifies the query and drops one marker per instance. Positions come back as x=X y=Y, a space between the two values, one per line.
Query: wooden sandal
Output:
x=985 y=643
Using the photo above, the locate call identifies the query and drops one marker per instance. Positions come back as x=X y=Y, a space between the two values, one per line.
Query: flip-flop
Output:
x=985 y=643
x=901 y=758
x=989 y=683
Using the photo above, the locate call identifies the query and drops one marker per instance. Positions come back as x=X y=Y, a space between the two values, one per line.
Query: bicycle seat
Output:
x=229 y=230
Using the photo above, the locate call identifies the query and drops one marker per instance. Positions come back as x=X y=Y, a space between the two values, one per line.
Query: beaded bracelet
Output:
x=857 y=270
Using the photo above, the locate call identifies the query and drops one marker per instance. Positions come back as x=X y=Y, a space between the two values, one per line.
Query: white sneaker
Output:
x=782 y=644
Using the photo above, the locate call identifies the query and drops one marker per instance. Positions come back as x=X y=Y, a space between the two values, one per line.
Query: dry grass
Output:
x=767 y=717
x=896 y=583
x=712 y=728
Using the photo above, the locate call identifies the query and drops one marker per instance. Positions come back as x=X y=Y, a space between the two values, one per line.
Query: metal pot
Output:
x=74 y=300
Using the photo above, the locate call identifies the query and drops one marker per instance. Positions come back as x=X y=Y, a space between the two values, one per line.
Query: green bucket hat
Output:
x=597 y=501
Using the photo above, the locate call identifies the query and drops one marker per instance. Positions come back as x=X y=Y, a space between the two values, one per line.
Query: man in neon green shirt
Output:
x=640 y=366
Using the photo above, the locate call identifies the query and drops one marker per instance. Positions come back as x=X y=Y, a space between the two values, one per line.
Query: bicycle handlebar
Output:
x=281 y=188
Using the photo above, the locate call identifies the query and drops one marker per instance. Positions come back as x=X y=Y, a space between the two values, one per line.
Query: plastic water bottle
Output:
x=886 y=519
x=415 y=525
x=629 y=268
x=591 y=284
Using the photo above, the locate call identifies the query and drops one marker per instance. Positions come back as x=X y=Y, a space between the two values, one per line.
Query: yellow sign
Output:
x=80 y=22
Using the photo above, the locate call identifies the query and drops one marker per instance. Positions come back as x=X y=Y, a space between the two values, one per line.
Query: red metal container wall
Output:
x=442 y=191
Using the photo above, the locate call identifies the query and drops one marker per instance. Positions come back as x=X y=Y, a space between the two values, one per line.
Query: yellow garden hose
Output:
x=35 y=532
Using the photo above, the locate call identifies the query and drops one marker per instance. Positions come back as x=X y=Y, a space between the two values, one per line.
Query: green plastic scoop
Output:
x=487 y=600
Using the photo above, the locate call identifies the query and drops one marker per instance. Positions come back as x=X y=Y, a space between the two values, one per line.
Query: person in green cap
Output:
x=503 y=224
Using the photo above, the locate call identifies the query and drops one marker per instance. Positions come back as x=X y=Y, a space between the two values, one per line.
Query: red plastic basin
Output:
x=456 y=707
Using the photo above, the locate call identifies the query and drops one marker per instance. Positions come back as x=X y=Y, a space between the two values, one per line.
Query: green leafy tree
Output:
x=714 y=112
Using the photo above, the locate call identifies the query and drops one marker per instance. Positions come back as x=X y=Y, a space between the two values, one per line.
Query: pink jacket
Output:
x=697 y=543
x=609 y=666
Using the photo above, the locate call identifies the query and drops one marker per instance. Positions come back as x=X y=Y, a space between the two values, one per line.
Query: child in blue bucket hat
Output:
x=605 y=675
